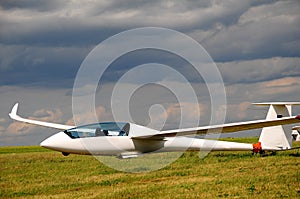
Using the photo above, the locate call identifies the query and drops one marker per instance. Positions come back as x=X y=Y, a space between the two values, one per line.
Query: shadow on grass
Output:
x=297 y=154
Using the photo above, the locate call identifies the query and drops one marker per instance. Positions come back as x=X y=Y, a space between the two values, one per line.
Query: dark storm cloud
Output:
x=145 y=56
x=32 y=66
x=44 y=42
x=76 y=23
x=262 y=32
x=260 y=70
x=32 y=5
x=51 y=24
x=53 y=31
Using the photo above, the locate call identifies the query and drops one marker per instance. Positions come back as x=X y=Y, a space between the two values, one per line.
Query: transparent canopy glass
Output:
x=99 y=129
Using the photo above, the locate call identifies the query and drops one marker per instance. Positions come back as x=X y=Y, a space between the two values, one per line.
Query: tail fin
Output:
x=277 y=137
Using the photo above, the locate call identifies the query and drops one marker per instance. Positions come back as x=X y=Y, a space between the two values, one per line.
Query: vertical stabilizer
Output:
x=277 y=137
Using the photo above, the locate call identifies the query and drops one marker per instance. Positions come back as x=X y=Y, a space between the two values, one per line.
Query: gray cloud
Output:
x=32 y=5
x=74 y=23
x=33 y=65
x=261 y=32
x=259 y=70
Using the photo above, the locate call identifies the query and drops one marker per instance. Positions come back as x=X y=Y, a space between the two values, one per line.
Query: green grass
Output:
x=33 y=172
x=22 y=149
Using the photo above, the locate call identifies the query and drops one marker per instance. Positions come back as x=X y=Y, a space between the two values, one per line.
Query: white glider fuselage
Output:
x=116 y=145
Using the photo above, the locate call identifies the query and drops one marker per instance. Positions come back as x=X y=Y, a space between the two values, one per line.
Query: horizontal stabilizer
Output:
x=277 y=103
x=296 y=128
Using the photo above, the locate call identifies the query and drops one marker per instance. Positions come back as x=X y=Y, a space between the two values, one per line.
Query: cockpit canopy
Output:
x=99 y=129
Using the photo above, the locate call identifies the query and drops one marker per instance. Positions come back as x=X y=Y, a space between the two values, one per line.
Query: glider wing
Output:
x=13 y=115
x=225 y=128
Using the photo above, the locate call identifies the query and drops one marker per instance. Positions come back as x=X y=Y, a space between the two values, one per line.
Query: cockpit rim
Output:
x=81 y=131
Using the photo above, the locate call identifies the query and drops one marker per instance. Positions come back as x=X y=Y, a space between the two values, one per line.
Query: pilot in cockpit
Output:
x=100 y=132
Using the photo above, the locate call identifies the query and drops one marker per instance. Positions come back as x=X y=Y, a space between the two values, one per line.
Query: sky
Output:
x=254 y=44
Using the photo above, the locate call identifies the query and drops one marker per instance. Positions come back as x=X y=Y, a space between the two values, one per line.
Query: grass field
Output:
x=34 y=172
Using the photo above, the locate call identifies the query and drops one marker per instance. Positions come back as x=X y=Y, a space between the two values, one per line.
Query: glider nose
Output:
x=47 y=143
x=54 y=141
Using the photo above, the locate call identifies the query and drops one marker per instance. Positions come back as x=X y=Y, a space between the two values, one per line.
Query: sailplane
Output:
x=128 y=140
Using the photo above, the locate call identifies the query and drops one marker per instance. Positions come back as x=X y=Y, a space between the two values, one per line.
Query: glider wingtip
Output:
x=14 y=110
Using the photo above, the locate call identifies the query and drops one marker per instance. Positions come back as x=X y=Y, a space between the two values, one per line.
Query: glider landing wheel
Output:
x=262 y=152
x=65 y=154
